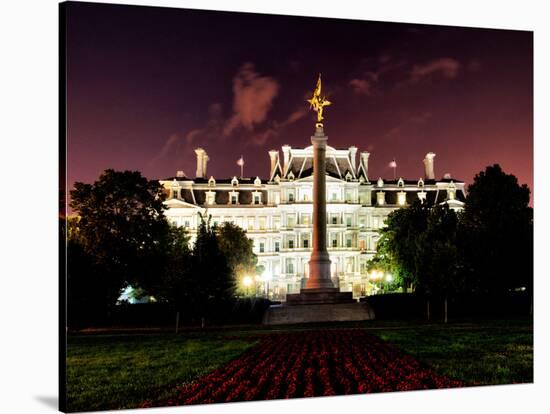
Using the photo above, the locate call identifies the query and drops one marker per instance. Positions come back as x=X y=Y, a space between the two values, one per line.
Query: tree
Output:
x=237 y=248
x=172 y=282
x=397 y=246
x=436 y=254
x=496 y=234
x=210 y=281
x=121 y=225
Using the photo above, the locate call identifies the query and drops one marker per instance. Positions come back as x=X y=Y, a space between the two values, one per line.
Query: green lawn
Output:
x=120 y=371
x=482 y=353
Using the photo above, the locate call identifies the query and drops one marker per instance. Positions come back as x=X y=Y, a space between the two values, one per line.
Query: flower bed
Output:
x=308 y=364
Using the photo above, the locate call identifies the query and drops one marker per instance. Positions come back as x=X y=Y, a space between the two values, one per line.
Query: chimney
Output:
x=429 y=166
x=286 y=156
x=365 y=161
x=201 y=162
x=353 y=156
x=205 y=159
x=273 y=155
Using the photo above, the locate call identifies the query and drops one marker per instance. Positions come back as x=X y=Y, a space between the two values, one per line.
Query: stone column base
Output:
x=310 y=313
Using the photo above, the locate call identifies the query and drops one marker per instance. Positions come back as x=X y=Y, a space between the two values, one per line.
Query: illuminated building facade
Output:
x=276 y=212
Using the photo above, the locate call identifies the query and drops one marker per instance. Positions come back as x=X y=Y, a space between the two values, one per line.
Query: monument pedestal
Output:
x=318 y=312
x=319 y=296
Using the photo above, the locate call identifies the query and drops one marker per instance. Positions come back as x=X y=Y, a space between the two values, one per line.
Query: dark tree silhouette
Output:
x=496 y=235
x=121 y=226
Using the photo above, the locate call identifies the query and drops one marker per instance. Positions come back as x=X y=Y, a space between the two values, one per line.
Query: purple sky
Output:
x=148 y=85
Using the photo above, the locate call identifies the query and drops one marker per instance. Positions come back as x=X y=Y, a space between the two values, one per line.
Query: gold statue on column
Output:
x=318 y=103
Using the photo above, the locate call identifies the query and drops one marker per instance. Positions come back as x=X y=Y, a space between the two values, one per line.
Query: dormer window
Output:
x=401 y=198
x=233 y=198
x=348 y=176
x=400 y=183
x=380 y=182
x=451 y=191
x=257 y=182
x=290 y=176
x=291 y=197
x=175 y=192
x=234 y=182
x=277 y=179
x=421 y=183
x=210 y=197
x=211 y=182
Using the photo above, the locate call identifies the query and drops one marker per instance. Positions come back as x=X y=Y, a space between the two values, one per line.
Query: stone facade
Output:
x=276 y=212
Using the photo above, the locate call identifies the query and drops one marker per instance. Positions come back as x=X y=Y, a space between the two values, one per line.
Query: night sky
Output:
x=148 y=85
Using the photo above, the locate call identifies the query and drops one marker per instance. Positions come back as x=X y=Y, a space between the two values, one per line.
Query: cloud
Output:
x=361 y=86
x=260 y=138
x=171 y=142
x=252 y=100
x=446 y=67
x=393 y=132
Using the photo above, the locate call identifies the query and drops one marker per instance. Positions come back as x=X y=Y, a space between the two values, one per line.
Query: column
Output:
x=319 y=263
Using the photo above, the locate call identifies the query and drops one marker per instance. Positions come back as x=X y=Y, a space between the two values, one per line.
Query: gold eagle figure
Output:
x=317 y=103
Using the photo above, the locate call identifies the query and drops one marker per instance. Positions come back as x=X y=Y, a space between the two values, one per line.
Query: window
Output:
x=334 y=196
x=276 y=222
x=348 y=221
x=250 y=223
x=261 y=223
x=234 y=199
x=349 y=265
x=362 y=244
x=291 y=197
x=291 y=244
x=305 y=219
x=276 y=246
x=334 y=241
x=348 y=241
x=306 y=243
x=291 y=221
x=174 y=193
x=262 y=247
x=334 y=219
x=256 y=199
x=175 y=222
x=186 y=223
x=289 y=267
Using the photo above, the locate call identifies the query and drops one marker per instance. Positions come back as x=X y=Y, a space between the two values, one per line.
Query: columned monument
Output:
x=320 y=300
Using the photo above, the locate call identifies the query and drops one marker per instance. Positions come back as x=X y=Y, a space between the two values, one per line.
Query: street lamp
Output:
x=247 y=282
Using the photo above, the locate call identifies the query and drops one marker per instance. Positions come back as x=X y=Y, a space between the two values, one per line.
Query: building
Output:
x=277 y=212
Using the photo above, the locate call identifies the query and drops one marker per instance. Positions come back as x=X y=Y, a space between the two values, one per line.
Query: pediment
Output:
x=175 y=203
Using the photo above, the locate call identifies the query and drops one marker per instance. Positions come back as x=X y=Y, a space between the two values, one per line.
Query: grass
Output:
x=110 y=371
x=483 y=353
x=120 y=371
